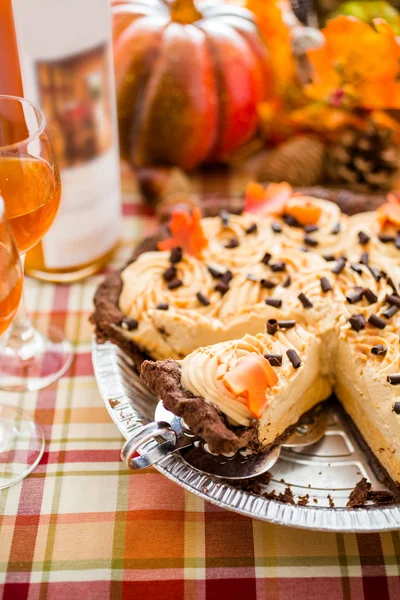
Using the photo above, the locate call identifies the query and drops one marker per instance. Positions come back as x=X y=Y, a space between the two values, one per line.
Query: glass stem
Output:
x=22 y=339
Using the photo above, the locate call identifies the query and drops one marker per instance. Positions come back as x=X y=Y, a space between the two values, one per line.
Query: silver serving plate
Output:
x=326 y=471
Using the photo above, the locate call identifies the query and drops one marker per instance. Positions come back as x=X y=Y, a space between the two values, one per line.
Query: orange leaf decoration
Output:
x=267 y=201
x=358 y=66
x=304 y=210
x=187 y=233
x=251 y=377
x=390 y=211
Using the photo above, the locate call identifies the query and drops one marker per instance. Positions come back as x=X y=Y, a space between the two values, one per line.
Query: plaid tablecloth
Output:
x=83 y=527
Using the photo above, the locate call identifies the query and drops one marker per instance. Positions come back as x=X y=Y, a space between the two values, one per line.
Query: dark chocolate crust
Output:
x=163 y=378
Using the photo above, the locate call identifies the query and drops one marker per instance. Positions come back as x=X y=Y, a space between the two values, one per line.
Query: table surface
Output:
x=83 y=526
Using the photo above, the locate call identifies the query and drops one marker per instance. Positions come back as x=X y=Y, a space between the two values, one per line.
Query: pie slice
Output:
x=249 y=410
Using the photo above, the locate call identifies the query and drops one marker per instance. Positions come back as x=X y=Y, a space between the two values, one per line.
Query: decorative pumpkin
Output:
x=189 y=79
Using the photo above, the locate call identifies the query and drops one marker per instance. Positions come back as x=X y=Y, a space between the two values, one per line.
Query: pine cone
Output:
x=364 y=160
x=300 y=162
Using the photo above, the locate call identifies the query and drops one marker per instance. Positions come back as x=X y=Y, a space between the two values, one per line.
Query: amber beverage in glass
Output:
x=30 y=187
x=21 y=440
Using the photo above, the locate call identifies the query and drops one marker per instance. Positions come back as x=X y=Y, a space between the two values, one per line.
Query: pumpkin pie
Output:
x=248 y=321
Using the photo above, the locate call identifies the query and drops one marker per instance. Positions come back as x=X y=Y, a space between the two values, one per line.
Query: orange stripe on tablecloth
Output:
x=76 y=415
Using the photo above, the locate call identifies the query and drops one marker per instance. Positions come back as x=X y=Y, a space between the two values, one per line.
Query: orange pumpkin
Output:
x=188 y=78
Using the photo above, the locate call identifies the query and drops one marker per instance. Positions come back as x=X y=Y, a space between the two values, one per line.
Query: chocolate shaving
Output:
x=222 y=287
x=329 y=257
x=363 y=238
x=176 y=255
x=392 y=299
x=287 y=282
x=227 y=276
x=215 y=273
x=272 y=326
x=203 y=299
x=267 y=284
x=294 y=358
x=385 y=239
x=291 y=221
x=390 y=282
x=377 y=322
x=396 y=408
x=325 y=285
x=289 y=324
x=275 y=360
x=252 y=229
x=276 y=302
x=378 y=350
x=354 y=297
x=340 y=265
x=370 y=296
x=397 y=242
x=394 y=379
x=129 y=324
x=162 y=306
x=336 y=229
x=310 y=241
x=276 y=228
x=376 y=273
x=364 y=259
x=356 y=268
x=357 y=322
x=277 y=267
x=305 y=301
x=174 y=284
x=266 y=258
x=310 y=228
x=169 y=274
x=233 y=243
x=388 y=313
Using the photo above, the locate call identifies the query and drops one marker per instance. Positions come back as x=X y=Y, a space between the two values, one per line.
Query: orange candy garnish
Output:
x=390 y=211
x=267 y=201
x=251 y=377
x=304 y=211
x=187 y=233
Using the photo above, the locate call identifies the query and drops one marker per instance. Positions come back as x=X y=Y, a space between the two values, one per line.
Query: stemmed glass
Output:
x=30 y=186
x=21 y=440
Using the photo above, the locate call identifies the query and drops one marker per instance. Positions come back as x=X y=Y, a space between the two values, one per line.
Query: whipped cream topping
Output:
x=237 y=229
x=330 y=235
x=369 y=224
x=203 y=370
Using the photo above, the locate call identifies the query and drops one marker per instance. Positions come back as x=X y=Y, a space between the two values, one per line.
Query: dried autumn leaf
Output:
x=187 y=232
x=362 y=74
x=269 y=16
x=267 y=201
x=390 y=211
x=251 y=377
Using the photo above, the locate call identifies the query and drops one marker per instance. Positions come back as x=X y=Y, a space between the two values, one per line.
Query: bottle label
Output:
x=66 y=68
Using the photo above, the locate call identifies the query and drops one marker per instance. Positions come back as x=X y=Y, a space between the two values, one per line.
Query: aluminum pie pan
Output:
x=331 y=469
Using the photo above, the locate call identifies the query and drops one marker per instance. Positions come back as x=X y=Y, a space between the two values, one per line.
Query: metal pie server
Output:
x=168 y=434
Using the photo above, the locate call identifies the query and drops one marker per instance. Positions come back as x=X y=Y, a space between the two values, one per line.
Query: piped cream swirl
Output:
x=328 y=242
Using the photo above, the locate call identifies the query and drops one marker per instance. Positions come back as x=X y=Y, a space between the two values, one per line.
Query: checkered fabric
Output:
x=82 y=526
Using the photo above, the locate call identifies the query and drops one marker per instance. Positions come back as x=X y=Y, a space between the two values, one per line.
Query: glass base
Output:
x=21 y=445
x=36 y=364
